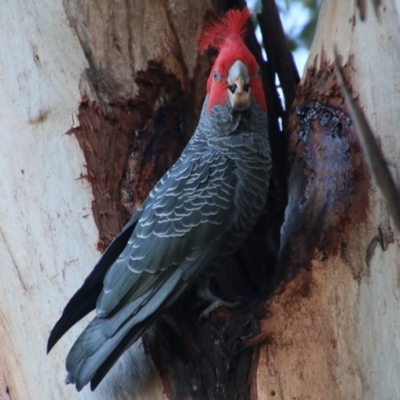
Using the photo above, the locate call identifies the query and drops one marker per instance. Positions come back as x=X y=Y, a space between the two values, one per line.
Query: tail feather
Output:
x=98 y=347
x=135 y=333
x=126 y=342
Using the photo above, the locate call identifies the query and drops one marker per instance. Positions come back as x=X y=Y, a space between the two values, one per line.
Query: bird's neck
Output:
x=222 y=122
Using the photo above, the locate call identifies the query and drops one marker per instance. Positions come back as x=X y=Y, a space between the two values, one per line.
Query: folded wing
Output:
x=177 y=234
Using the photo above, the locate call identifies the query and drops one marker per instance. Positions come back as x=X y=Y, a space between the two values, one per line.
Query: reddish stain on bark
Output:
x=328 y=184
x=130 y=147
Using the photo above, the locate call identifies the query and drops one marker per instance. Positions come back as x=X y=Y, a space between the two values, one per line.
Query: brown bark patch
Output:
x=203 y=360
x=304 y=345
x=328 y=192
x=130 y=147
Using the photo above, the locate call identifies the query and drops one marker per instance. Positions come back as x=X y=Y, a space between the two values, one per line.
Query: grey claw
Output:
x=216 y=304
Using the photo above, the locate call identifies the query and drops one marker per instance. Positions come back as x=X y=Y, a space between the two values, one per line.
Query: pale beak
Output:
x=238 y=86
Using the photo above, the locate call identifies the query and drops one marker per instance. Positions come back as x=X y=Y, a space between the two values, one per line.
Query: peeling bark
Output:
x=129 y=148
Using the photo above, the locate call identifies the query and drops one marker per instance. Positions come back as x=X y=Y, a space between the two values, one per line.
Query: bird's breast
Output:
x=252 y=165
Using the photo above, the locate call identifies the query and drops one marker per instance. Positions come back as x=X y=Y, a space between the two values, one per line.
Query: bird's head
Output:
x=235 y=77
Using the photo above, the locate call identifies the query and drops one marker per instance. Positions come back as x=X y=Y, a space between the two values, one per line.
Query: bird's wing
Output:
x=190 y=210
x=176 y=236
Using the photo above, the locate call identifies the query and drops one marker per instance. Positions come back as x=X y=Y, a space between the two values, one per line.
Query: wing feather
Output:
x=182 y=211
x=177 y=234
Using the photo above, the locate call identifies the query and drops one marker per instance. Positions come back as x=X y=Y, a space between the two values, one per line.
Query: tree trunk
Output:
x=334 y=332
x=124 y=80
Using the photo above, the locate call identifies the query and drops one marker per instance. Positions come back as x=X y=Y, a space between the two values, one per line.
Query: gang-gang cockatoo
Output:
x=200 y=211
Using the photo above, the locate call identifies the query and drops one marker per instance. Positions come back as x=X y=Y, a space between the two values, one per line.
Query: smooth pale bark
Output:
x=341 y=340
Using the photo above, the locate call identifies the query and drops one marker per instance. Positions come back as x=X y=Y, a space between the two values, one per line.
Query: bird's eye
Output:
x=246 y=87
x=217 y=76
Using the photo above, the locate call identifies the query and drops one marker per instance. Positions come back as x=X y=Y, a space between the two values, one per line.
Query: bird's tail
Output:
x=105 y=339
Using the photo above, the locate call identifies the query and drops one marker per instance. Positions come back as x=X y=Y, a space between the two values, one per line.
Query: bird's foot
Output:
x=216 y=304
x=205 y=294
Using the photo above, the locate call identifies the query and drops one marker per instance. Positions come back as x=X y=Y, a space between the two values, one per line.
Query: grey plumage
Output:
x=199 y=212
